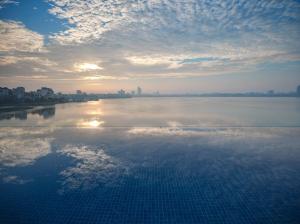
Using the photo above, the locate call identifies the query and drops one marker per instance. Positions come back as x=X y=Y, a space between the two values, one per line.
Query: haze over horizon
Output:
x=173 y=46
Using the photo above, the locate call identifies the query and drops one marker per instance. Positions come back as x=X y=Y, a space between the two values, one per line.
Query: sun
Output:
x=87 y=66
x=94 y=123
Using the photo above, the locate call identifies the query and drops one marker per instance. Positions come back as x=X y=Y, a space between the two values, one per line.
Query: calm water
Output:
x=152 y=160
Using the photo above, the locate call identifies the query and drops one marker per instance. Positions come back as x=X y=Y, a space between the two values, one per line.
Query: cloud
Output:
x=169 y=38
x=90 y=20
x=16 y=37
x=104 y=77
x=7 y=2
x=172 y=61
x=8 y=60
x=102 y=41
x=83 y=67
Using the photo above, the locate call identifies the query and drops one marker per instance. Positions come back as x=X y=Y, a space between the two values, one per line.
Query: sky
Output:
x=171 y=46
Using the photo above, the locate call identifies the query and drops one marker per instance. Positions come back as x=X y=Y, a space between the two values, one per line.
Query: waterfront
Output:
x=152 y=160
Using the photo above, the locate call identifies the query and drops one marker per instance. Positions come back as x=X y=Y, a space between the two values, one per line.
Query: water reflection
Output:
x=140 y=112
x=22 y=146
x=45 y=113
x=12 y=179
x=236 y=133
x=90 y=123
x=22 y=152
x=96 y=160
x=93 y=167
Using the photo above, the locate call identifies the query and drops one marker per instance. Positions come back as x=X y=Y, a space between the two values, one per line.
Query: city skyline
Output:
x=170 y=46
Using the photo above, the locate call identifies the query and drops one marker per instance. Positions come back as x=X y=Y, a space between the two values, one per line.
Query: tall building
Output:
x=4 y=92
x=19 y=92
x=45 y=92
x=121 y=92
x=298 y=90
x=139 y=91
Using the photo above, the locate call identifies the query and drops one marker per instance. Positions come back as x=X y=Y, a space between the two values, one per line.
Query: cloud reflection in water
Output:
x=22 y=146
x=23 y=152
x=205 y=132
x=93 y=167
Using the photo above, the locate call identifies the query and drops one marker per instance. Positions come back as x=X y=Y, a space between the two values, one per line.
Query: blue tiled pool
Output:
x=148 y=161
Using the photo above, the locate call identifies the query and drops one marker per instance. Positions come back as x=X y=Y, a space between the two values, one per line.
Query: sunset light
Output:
x=86 y=67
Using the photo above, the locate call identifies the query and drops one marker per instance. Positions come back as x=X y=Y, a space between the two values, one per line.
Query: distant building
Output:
x=121 y=92
x=271 y=92
x=19 y=93
x=298 y=90
x=4 y=92
x=45 y=92
x=132 y=92
x=139 y=91
x=78 y=92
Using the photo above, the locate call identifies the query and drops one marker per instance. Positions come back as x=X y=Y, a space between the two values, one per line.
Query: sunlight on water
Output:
x=90 y=124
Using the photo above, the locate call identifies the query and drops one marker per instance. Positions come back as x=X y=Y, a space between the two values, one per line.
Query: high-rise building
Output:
x=19 y=92
x=121 y=92
x=139 y=91
x=298 y=90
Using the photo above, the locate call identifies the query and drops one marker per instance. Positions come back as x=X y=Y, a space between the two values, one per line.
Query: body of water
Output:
x=152 y=160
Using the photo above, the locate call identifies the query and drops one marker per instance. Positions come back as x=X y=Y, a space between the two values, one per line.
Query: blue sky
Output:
x=166 y=45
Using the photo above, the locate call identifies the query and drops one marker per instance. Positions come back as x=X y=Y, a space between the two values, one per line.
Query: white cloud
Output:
x=8 y=60
x=16 y=37
x=7 y=2
x=88 y=19
x=85 y=66
x=129 y=40
x=171 y=62
x=103 y=77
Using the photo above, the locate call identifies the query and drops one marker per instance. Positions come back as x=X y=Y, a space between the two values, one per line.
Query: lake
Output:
x=152 y=160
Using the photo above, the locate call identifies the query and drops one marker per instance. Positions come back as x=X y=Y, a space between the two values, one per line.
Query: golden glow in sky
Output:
x=94 y=123
x=86 y=67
